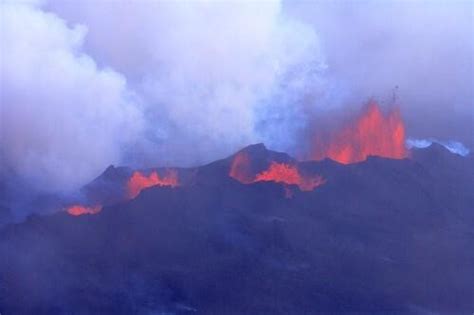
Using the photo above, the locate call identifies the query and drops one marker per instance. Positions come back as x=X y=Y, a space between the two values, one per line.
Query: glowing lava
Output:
x=76 y=210
x=139 y=181
x=277 y=172
x=289 y=174
x=372 y=134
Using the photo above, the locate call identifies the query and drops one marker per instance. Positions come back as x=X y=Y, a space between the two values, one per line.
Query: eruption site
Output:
x=136 y=183
x=236 y=157
x=373 y=133
x=277 y=172
x=77 y=210
x=139 y=181
x=289 y=174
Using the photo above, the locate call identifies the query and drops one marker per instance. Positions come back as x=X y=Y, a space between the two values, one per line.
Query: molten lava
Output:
x=277 y=172
x=76 y=210
x=372 y=134
x=289 y=174
x=139 y=181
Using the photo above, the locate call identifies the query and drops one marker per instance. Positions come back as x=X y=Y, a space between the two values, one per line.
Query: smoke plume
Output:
x=214 y=76
x=91 y=83
x=63 y=118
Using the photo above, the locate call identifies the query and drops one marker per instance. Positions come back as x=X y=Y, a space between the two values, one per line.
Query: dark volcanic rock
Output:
x=380 y=236
x=108 y=188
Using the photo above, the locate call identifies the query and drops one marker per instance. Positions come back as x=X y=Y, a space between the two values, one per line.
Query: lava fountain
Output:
x=373 y=133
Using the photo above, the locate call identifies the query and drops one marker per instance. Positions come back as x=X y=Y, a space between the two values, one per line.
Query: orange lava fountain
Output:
x=372 y=134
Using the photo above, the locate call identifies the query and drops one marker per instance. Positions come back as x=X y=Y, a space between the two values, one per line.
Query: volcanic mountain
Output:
x=256 y=233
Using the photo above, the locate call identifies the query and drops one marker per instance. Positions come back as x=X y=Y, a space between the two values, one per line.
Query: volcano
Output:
x=381 y=235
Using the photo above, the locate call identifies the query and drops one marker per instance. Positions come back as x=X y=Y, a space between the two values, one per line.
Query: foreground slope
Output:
x=379 y=236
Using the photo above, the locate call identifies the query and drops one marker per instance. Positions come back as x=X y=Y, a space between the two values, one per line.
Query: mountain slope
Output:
x=378 y=236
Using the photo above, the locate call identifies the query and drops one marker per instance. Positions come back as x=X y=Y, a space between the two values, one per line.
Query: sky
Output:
x=145 y=83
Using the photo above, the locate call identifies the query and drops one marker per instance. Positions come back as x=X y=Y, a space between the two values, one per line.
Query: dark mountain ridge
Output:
x=379 y=236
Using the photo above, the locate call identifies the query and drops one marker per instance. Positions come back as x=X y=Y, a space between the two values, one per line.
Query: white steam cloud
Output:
x=90 y=83
x=453 y=146
x=209 y=72
x=62 y=118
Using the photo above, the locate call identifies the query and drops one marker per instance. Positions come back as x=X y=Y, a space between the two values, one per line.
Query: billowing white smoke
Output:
x=161 y=82
x=147 y=83
x=210 y=73
x=62 y=118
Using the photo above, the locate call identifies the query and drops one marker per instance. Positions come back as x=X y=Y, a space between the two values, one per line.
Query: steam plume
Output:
x=188 y=82
x=63 y=119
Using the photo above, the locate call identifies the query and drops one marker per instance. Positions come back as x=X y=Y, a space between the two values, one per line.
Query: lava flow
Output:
x=277 y=172
x=139 y=181
x=372 y=134
x=77 y=210
x=289 y=174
